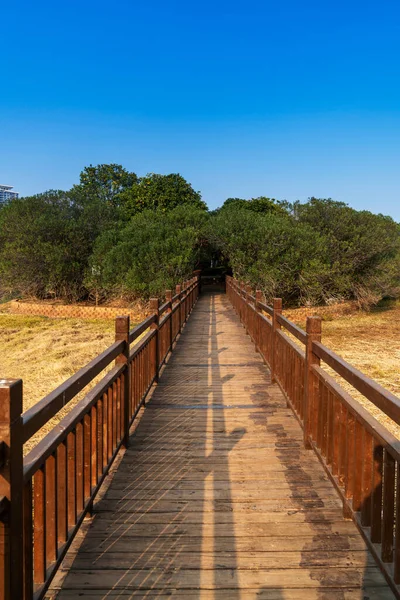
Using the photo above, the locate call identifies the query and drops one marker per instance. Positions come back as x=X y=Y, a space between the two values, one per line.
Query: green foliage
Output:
x=163 y=192
x=154 y=252
x=313 y=253
x=42 y=246
x=360 y=247
x=115 y=233
x=262 y=205
x=269 y=251
x=105 y=183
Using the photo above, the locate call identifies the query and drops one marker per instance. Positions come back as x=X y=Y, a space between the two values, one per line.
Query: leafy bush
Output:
x=154 y=252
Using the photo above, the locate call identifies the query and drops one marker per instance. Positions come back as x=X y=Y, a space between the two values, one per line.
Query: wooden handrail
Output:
x=295 y=330
x=47 y=445
x=382 y=398
x=139 y=329
x=141 y=343
x=268 y=309
x=41 y=412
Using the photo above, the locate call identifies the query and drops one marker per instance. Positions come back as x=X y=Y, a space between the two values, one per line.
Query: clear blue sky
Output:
x=283 y=99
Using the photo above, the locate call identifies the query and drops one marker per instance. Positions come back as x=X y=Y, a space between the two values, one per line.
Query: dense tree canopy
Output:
x=115 y=233
x=162 y=192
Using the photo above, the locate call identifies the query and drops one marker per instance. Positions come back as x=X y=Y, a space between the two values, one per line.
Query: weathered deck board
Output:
x=216 y=496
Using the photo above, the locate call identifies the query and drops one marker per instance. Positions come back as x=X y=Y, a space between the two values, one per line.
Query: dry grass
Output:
x=45 y=352
x=369 y=341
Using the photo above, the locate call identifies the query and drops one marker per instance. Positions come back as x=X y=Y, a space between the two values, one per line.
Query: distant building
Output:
x=6 y=193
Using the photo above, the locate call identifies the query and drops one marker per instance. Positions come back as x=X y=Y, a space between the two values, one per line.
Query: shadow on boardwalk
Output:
x=216 y=498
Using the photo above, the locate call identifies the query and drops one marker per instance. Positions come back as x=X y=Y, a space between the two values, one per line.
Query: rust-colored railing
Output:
x=45 y=495
x=360 y=455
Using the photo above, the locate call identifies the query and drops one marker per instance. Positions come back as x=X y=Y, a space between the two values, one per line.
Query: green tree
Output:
x=360 y=246
x=43 y=251
x=104 y=182
x=261 y=204
x=152 y=253
x=163 y=192
x=270 y=250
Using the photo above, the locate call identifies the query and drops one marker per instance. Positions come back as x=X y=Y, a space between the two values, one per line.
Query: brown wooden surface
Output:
x=216 y=496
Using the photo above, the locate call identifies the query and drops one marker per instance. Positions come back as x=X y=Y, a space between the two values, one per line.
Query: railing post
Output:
x=242 y=301
x=185 y=301
x=122 y=326
x=258 y=324
x=154 y=307
x=11 y=487
x=168 y=297
x=313 y=334
x=178 y=291
x=248 y=310
x=277 y=306
x=197 y=275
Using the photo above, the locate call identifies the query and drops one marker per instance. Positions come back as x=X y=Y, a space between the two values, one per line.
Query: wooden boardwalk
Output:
x=216 y=497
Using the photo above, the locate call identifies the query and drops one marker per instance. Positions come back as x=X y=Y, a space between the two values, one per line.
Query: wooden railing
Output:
x=360 y=455
x=45 y=495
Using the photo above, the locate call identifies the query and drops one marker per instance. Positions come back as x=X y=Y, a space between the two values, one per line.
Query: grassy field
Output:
x=45 y=352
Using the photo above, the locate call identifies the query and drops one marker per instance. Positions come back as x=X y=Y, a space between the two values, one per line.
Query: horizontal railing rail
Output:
x=359 y=453
x=45 y=495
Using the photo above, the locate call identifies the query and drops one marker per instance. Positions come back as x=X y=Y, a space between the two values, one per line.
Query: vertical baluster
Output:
x=28 y=540
x=336 y=435
x=388 y=507
x=259 y=321
x=376 y=498
x=87 y=462
x=330 y=432
x=324 y=411
x=320 y=414
x=39 y=524
x=141 y=387
x=367 y=480
x=118 y=412
x=358 y=466
x=350 y=451
x=62 y=517
x=178 y=310
x=277 y=310
x=110 y=407
x=105 y=430
x=168 y=297
x=154 y=307
x=342 y=444
x=71 y=479
x=79 y=467
x=94 y=454
x=50 y=510
x=99 y=438
x=132 y=384
x=114 y=416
